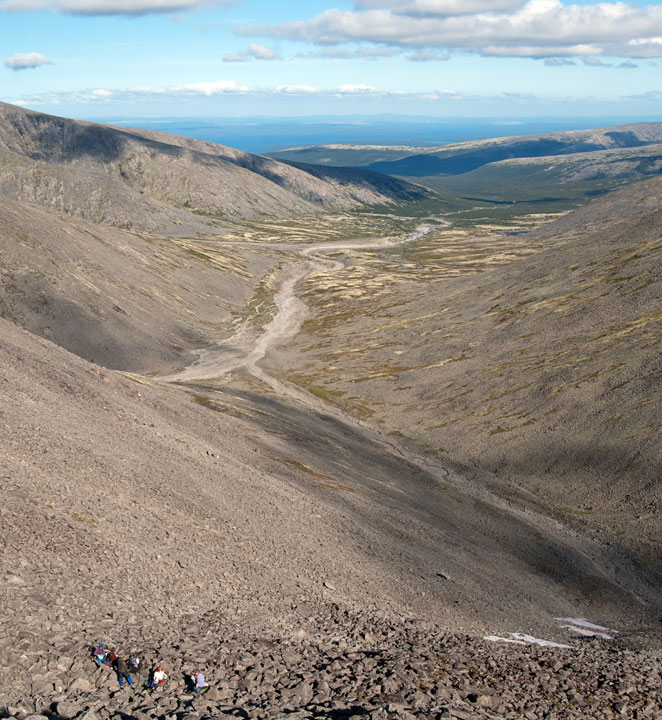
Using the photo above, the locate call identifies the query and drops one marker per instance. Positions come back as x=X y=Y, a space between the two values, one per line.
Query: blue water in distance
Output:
x=263 y=135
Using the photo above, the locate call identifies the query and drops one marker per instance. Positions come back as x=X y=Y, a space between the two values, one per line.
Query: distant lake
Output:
x=263 y=135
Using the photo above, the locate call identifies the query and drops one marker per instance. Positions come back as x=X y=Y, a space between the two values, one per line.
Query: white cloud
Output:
x=25 y=61
x=645 y=47
x=108 y=7
x=298 y=89
x=506 y=28
x=98 y=95
x=653 y=95
x=207 y=90
x=254 y=52
x=236 y=57
x=428 y=8
x=558 y=62
x=594 y=62
x=216 y=87
x=336 y=53
x=361 y=88
x=442 y=95
x=426 y=55
x=261 y=52
x=226 y=94
x=539 y=51
x=372 y=53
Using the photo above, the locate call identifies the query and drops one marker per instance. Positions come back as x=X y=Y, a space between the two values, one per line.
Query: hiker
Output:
x=101 y=654
x=199 y=682
x=158 y=678
x=112 y=658
x=122 y=670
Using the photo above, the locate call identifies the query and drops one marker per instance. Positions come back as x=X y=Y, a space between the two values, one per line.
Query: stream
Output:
x=245 y=349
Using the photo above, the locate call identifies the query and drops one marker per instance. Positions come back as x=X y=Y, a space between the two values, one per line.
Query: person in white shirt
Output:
x=159 y=678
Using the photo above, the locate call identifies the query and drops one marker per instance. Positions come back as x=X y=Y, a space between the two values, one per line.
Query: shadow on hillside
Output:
x=55 y=139
x=74 y=327
x=562 y=458
x=337 y=456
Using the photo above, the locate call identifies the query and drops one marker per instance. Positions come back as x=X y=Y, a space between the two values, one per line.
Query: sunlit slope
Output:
x=545 y=371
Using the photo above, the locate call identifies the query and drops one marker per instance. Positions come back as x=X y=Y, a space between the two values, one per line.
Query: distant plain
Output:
x=263 y=135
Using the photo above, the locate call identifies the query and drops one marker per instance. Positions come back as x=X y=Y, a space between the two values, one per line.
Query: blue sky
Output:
x=442 y=58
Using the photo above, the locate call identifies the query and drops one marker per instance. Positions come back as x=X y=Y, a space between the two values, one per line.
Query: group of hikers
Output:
x=127 y=666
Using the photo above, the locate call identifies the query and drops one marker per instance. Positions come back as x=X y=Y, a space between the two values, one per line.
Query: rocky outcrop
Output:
x=337 y=663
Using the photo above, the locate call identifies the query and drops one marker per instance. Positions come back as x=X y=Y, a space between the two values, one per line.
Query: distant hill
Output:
x=458 y=158
x=144 y=180
x=559 y=170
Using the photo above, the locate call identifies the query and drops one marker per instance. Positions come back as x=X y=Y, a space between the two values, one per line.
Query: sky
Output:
x=241 y=58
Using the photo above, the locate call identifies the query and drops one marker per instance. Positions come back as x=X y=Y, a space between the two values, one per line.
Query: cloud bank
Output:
x=501 y=28
x=108 y=7
x=208 y=89
x=360 y=97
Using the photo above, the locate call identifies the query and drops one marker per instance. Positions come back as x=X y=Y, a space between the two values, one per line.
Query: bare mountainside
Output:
x=150 y=181
x=542 y=374
x=305 y=568
x=120 y=298
x=224 y=514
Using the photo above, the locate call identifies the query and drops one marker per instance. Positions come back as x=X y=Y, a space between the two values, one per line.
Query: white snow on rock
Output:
x=581 y=626
x=524 y=639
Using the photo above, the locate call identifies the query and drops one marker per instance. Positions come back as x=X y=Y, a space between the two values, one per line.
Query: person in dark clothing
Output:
x=123 y=671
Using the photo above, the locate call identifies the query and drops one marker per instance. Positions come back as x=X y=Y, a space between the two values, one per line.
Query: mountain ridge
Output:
x=137 y=179
x=552 y=171
x=612 y=137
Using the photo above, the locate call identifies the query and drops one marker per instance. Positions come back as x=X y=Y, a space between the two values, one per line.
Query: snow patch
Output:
x=581 y=626
x=524 y=639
